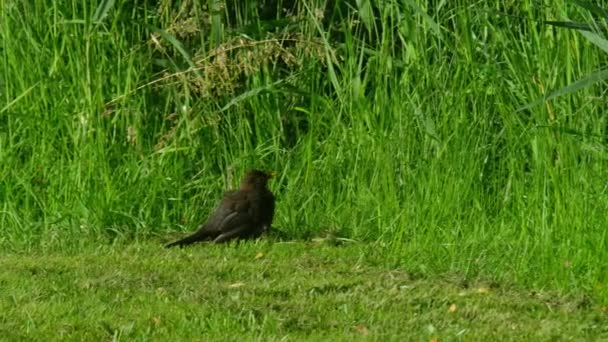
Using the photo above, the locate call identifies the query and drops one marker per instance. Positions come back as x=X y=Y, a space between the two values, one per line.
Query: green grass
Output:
x=397 y=126
x=276 y=291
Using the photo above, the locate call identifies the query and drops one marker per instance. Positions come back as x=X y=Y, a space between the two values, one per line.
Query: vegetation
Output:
x=412 y=127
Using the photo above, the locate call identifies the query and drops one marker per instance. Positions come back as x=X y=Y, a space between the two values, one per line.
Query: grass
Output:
x=403 y=126
x=266 y=290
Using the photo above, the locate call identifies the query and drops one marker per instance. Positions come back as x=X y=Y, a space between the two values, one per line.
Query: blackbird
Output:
x=243 y=213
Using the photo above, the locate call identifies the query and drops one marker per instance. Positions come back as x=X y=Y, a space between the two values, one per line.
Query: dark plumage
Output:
x=244 y=213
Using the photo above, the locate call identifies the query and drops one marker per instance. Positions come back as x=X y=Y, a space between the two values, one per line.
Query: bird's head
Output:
x=256 y=178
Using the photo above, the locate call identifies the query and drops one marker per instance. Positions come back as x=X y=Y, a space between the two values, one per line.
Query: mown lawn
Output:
x=270 y=291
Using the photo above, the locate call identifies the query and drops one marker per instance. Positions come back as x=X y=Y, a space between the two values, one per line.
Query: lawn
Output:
x=271 y=290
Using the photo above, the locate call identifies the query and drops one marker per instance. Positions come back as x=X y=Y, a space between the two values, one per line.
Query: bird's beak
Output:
x=272 y=174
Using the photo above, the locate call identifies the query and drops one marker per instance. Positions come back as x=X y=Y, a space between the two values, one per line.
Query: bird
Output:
x=245 y=213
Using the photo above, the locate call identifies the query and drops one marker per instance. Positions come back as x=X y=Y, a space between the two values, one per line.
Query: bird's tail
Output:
x=198 y=236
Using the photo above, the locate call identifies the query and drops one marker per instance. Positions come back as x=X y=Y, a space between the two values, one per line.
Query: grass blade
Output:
x=571 y=88
x=179 y=46
x=102 y=10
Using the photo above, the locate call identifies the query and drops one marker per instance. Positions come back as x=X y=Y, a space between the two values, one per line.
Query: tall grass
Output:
x=395 y=123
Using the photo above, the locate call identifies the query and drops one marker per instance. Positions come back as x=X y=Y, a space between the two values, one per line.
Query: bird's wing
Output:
x=234 y=219
x=232 y=212
x=221 y=216
x=237 y=231
x=240 y=213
